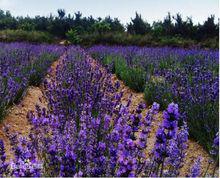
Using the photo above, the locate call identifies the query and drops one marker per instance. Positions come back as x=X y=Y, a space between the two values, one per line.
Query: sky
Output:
x=151 y=10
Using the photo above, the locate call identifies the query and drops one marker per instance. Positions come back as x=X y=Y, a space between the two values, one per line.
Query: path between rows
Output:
x=18 y=122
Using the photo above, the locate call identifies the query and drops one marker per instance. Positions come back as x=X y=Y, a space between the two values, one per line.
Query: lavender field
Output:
x=109 y=111
x=187 y=77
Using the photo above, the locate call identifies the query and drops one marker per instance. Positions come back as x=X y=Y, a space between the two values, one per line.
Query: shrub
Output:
x=120 y=67
x=135 y=78
x=108 y=61
x=158 y=91
x=29 y=36
x=22 y=65
x=204 y=129
x=40 y=67
x=73 y=37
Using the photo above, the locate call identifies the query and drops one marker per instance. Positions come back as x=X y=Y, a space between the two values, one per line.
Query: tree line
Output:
x=59 y=25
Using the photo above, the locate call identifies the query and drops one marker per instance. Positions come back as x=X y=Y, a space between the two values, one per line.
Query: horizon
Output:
x=198 y=10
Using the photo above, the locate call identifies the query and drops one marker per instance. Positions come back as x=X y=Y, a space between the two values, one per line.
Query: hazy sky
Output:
x=151 y=10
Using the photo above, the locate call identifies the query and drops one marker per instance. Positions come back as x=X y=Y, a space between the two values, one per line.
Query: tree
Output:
x=115 y=24
x=208 y=29
x=73 y=37
x=61 y=13
x=167 y=25
x=138 y=26
x=102 y=27
x=183 y=28
x=157 y=28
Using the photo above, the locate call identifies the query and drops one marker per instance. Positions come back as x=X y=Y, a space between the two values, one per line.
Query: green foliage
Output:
x=142 y=40
x=29 y=36
x=120 y=67
x=115 y=24
x=133 y=77
x=101 y=27
x=108 y=61
x=208 y=30
x=26 y=26
x=157 y=90
x=138 y=26
x=209 y=122
x=210 y=43
x=175 y=42
x=39 y=69
x=73 y=36
x=172 y=31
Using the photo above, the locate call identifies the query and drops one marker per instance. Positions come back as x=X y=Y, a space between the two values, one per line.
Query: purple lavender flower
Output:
x=177 y=151
x=3 y=165
x=196 y=168
x=215 y=146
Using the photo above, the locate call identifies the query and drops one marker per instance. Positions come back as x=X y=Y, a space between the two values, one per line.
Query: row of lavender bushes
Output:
x=86 y=131
x=188 y=77
x=22 y=64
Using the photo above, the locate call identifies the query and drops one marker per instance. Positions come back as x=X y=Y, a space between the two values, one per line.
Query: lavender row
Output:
x=86 y=131
x=21 y=65
x=188 y=77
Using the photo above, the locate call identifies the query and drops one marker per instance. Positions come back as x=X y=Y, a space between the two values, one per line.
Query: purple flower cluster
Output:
x=170 y=146
x=24 y=163
x=196 y=168
x=215 y=146
x=3 y=164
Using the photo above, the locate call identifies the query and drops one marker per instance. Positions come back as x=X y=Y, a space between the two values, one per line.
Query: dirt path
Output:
x=16 y=118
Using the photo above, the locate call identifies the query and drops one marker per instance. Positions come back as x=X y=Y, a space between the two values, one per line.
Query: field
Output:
x=108 y=111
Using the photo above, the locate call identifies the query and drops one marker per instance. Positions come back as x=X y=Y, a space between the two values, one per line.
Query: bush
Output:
x=202 y=126
x=73 y=37
x=210 y=43
x=135 y=78
x=157 y=90
x=120 y=67
x=39 y=68
x=176 y=42
x=28 y=36
x=108 y=61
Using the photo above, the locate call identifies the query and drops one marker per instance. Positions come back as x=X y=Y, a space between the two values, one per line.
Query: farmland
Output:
x=108 y=111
